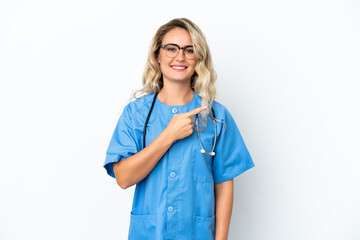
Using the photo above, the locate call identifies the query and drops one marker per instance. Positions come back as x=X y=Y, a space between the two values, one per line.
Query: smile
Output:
x=179 y=68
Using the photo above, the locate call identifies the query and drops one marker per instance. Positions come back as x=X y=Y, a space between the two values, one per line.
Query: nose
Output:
x=181 y=55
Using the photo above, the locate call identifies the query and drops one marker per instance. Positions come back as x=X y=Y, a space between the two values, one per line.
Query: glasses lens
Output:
x=171 y=50
x=189 y=52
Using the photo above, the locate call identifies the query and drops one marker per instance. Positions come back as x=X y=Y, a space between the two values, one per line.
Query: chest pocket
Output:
x=202 y=162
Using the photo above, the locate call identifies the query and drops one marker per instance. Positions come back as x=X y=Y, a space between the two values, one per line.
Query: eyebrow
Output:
x=178 y=45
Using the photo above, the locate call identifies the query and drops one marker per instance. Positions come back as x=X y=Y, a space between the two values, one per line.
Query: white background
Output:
x=288 y=72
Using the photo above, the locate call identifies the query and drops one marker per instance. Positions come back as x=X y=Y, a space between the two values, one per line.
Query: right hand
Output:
x=182 y=124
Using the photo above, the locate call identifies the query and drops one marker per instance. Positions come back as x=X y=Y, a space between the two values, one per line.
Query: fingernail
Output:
x=205 y=107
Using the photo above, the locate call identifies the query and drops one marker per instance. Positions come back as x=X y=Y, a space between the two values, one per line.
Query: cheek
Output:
x=162 y=68
x=162 y=57
x=193 y=66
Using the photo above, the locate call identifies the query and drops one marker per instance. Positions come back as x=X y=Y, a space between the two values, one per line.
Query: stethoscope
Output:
x=212 y=153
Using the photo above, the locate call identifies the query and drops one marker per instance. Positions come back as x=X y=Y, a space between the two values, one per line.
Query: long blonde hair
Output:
x=204 y=77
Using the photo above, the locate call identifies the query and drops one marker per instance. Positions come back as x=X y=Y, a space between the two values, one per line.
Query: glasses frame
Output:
x=183 y=48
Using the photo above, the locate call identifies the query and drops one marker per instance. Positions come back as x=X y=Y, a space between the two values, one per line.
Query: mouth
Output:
x=179 y=67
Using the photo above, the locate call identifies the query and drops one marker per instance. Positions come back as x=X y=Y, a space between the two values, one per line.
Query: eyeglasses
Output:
x=172 y=50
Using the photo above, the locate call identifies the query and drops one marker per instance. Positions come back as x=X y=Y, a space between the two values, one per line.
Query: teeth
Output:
x=178 y=67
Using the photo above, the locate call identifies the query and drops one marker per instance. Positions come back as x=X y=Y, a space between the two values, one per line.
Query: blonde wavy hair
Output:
x=204 y=77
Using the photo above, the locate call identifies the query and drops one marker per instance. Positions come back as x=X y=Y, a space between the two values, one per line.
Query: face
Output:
x=179 y=68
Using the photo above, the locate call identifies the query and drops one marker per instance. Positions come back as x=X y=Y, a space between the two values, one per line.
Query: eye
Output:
x=189 y=50
x=171 y=48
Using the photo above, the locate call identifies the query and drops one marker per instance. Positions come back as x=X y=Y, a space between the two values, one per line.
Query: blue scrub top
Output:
x=176 y=200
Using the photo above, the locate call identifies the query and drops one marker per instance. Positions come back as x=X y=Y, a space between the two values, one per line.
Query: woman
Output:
x=172 y=143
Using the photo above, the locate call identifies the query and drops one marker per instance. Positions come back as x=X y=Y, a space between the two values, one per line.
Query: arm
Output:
x=223 y=207
x=133 y=169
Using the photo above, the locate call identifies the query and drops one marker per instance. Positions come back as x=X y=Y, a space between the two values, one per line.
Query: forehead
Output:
x=177 y=35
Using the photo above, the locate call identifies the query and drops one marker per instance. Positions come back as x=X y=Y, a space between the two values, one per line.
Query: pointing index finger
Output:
x=195 y=111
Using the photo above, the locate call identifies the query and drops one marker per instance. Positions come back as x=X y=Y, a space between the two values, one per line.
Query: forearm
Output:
x=135 y=168
x=223 y=207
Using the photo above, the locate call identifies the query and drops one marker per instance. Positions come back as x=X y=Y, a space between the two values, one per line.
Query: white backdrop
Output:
x=287 y=71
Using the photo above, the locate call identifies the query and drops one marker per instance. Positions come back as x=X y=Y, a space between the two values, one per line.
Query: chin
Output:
x=178 y=80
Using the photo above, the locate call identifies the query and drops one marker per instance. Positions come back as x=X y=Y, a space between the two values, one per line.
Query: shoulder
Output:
x=138 y=105
x=221 y=112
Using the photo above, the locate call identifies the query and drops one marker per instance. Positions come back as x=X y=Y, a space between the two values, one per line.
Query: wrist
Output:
x=169 y=136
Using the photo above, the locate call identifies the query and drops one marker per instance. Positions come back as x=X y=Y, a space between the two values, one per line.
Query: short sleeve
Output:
x=232 y=156
x=122 y=144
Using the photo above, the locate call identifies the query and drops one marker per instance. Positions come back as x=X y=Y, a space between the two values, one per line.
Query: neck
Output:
x=175 y=94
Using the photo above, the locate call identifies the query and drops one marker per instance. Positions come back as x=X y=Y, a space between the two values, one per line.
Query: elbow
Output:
x=119 y=177
x=122 y=185
x=122 y=178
